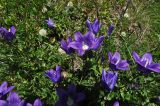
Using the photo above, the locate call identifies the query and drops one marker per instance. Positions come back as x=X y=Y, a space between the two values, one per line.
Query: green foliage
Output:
x=24 y=61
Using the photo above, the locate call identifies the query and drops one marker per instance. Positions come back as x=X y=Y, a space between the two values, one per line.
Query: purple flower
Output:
x=4 y=89
x=116 y=103
x=8 y=34
x=50 y=23
x=86 y=42
x=54 y=75
x=69 y=97
x=116 y=63
x=109 y=79
x=12 y=100
x=37 y=102
x=3 y=103
x=110 y=30
x=65 y=45
x=93 y=27
x=146 y=64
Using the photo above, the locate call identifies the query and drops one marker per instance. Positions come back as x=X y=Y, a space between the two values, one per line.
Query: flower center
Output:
x=146 y=62
x=54 y=74
x=70 y=101
x=85 y=47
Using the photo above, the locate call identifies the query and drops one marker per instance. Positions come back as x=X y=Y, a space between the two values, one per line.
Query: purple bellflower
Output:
x=50 y=23
x=116 y=103
x=4 y=89
x=65 y=45
x=86 y=42
x=37 y=102
x=8 y=34
x=12 y=100
x=69 y=97
x=93 y=27
x=110 y=30
x=116 y=63
x=109 y=79
x=146 y=64
x=54 y=75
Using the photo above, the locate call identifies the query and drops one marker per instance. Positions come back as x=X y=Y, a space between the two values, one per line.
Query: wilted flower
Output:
x=44 y=9
x=116 y=63
x=93 y=27
x=146 y=64
x=42 y=32
x=4 y=89
x=8 y=34
x=70 y=4
x=110 y=30
x=65 y=45
x=116 y=103
x=123 y=34
x=69 y=97
x=86 y=42
x=61 y=51
x=12 y=100
x=54 y=75
x=126 y=15
x=50 y=23
x=37 y=102
x=109 y=79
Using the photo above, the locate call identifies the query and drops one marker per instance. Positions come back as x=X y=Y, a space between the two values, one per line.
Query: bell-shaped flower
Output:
x=86 y=42
x=116 y=63
x=145 y=63
x=54 y=75
x=110 y=30
x=93 y=27
x=4 y=89
x=8 y=34
x=50 y=23
x=65 y=45
x=37 y=102
x=109 y=79
x=70 y=97
x=14 y=100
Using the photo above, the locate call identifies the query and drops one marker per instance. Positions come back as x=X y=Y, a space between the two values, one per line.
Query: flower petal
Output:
x=116 y=103
x=110 y=54
x=96 y=26
x=123 y=65
x=28 y=104
x=81 y=52
x=97 y=42
x=13 y=98
x=58 y=69
x=3 y=103
x=75 y=45
x=78 y=36
x=64 y=45
x=154 y=67
x=13 y=30
x=147 y=57
x=88 y=38
x=89 y=25
x=4 y=85
x=37 y=102
x=116 y=58
x=110 y=30
x=136 y=57
x=8 y=89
